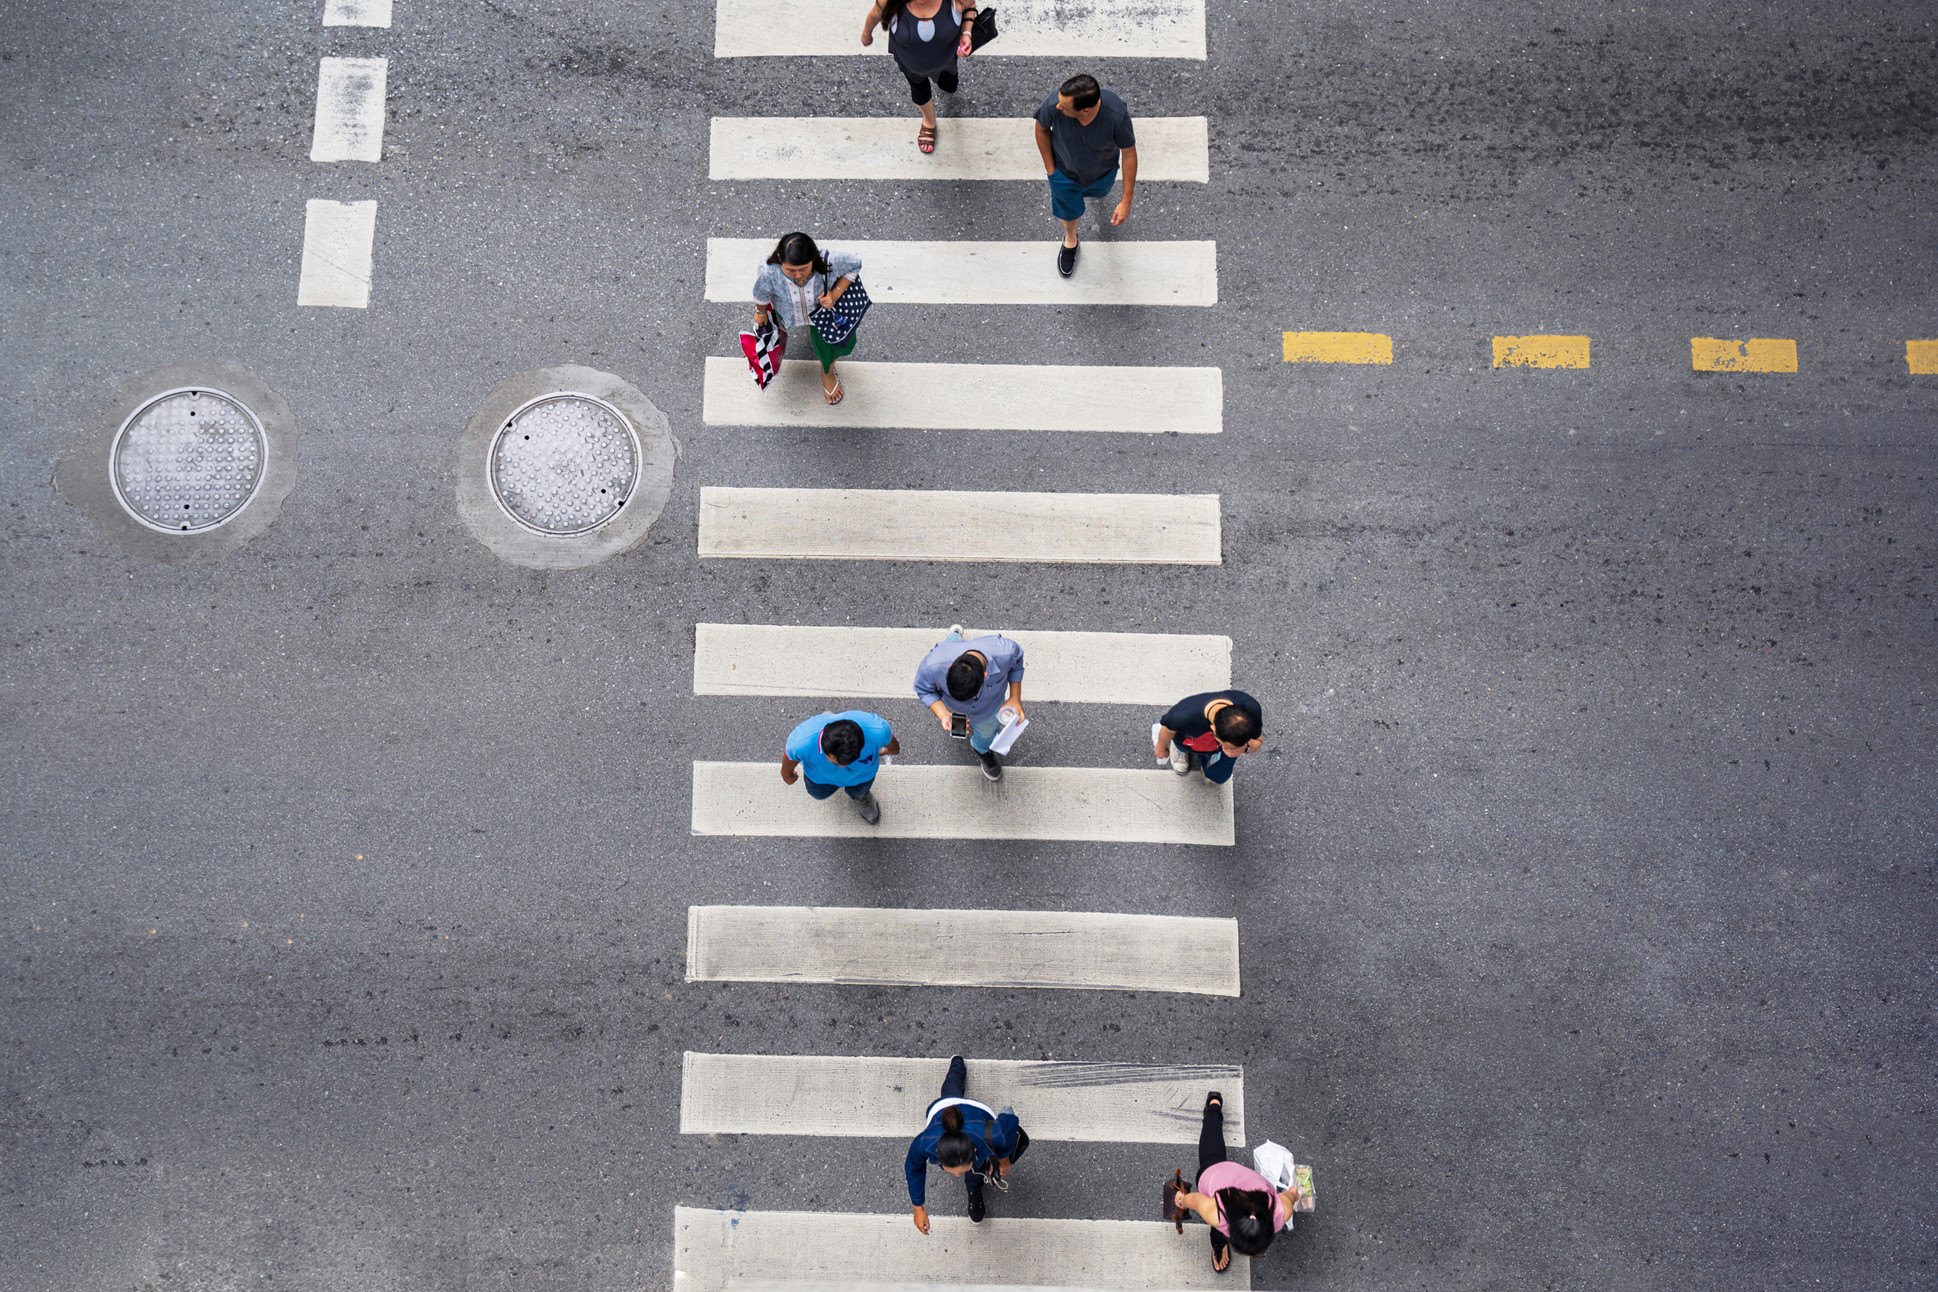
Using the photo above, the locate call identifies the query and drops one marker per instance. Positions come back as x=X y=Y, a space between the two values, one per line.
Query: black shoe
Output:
x=871 y=811
x=1066 y=261
x=976 y=1209
x=992 y=766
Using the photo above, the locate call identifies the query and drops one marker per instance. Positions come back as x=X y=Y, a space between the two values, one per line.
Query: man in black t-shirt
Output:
x=1211 y=732
x=1083 y=132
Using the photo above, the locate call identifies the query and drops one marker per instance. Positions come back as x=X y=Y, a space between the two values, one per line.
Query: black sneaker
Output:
x=1066 y=261
x=976 y=1209
x=992 y=766
x=871 y=811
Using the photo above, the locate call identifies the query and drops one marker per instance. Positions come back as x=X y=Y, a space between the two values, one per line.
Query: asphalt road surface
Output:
x=1584 y=887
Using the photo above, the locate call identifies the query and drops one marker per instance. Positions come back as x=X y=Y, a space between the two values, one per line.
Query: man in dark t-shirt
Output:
x=1211 y=732
x=1083 y=131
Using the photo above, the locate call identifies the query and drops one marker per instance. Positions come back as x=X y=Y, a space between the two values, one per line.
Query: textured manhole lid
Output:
x=564 y=464
x=188 y=460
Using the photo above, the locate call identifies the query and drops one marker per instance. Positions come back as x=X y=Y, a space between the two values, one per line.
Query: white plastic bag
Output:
x=1274 y=1162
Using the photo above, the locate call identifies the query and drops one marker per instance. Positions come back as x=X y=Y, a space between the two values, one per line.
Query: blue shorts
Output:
x=1067 y=196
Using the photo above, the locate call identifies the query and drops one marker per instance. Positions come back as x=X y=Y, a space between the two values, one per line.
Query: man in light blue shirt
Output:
x=977 y=679
x=840 y=751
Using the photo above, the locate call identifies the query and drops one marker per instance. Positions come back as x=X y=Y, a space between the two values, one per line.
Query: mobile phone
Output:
x=959 y=725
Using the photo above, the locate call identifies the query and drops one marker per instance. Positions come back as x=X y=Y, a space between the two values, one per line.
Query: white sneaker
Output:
x=1180 y=758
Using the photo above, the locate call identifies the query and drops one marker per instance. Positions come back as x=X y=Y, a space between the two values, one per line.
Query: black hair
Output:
x=1083 y=91
x=798 y=249
x=1235 y=726
x=1249 y=1215
x=841 y=741
x=892 y=9
x=966 y=675
x=953 y=1147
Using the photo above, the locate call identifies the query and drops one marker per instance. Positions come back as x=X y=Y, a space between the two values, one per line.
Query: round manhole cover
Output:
x=564 y=464
x=188 y=460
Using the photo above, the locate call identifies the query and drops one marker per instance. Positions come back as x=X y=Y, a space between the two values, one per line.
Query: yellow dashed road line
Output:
x=1922 y=358
x=1541 y=351
x=1758 y=354
x=1338 y=347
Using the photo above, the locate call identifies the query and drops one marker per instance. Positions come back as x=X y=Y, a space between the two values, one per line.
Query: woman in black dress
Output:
x=926 y=37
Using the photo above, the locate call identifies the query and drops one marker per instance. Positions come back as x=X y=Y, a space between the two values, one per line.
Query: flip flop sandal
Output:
x=1216 y=1268
x=836 y=395
x=925 y=139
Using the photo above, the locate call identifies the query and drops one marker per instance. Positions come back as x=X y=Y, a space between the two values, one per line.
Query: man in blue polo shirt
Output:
x=840 y=751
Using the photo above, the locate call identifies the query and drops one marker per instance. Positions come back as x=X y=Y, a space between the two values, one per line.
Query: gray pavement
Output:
x=1585 y=889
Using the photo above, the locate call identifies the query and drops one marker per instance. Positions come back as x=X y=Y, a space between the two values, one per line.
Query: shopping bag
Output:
x=764 y=348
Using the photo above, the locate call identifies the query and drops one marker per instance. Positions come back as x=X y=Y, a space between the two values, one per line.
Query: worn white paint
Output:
x=1073 y=950
x=1155 y=669
x=356 y=13
x=995 y=273
x=971 y=397
x=1090 y=29
x=350 y=110
x=945 y=525
x=888 y=1098
x=337 y=248
x=1169 y=149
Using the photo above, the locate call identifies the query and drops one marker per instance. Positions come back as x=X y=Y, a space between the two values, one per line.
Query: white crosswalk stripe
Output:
x=1030 y=29
x=350 y=110
x=1155 y=669
x=994 y=273
x=716 y=1250
x=1169 y=149
x=827 y=1095
x=973 y=397
x=1100 y=804
x=1071 y=950
x=944 y=525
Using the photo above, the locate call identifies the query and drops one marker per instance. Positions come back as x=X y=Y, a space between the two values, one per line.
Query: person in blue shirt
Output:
x=979 y=679
x=840 y=751
x=970 y=1141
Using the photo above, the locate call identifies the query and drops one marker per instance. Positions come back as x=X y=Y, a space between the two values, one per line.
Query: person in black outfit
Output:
x=1210 y=732
x=926 y=37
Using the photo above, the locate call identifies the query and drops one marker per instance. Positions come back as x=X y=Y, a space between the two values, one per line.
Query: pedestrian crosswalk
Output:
x=994 y=273
x=1169 y=149
x=886 y=1098
x=1072 y=950
x=1031 y=29
x=716 y=1250
x=955 y=525
x=1102 y=804
x=1153 y=669
x=985 y=396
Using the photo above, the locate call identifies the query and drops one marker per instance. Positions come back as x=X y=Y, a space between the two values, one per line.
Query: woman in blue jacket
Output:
x=969 y=1140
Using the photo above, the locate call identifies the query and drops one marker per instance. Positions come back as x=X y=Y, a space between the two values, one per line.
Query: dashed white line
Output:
x=356 y=13
x=350 y=110
x=337 y=249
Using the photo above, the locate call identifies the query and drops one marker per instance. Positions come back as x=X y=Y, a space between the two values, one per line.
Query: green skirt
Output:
x=826 y=353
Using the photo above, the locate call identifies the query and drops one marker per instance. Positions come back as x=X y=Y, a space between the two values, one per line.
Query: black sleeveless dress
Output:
x=932 y=57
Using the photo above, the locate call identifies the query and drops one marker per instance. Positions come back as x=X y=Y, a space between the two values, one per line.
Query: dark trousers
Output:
x=1216 y=765
x=817 y=790
x=918 y=86
x=956 y=1086
x=1211 y=1151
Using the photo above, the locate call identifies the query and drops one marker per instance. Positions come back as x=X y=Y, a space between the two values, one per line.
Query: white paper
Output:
x=1006 y=738
x=1157 y=729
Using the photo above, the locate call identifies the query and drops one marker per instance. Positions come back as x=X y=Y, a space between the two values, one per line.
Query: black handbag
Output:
x=836 y=325
x=983 y=30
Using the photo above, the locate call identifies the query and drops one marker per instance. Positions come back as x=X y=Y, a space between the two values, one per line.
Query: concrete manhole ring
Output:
x=188 y=460
x=564 y=467
x=184 y=463
x=564 y=464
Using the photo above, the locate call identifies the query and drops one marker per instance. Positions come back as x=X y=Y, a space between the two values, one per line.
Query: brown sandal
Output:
x=925 y=139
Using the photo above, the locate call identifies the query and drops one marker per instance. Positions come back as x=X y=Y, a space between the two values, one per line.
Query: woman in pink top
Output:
x=1236 y=1201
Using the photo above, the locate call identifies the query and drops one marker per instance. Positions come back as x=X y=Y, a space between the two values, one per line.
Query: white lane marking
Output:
x=946 y=525
x=1030 y=29
x=849 y=1285
x=996 y=273
x=350 y=110
x=717 y=1249
x=337 y=243
x=976 y=148
x=1075 y=950
x=1101 y=804
x=812 y=1094
x=971 y=397
x=356 y=13
x=879 y=663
